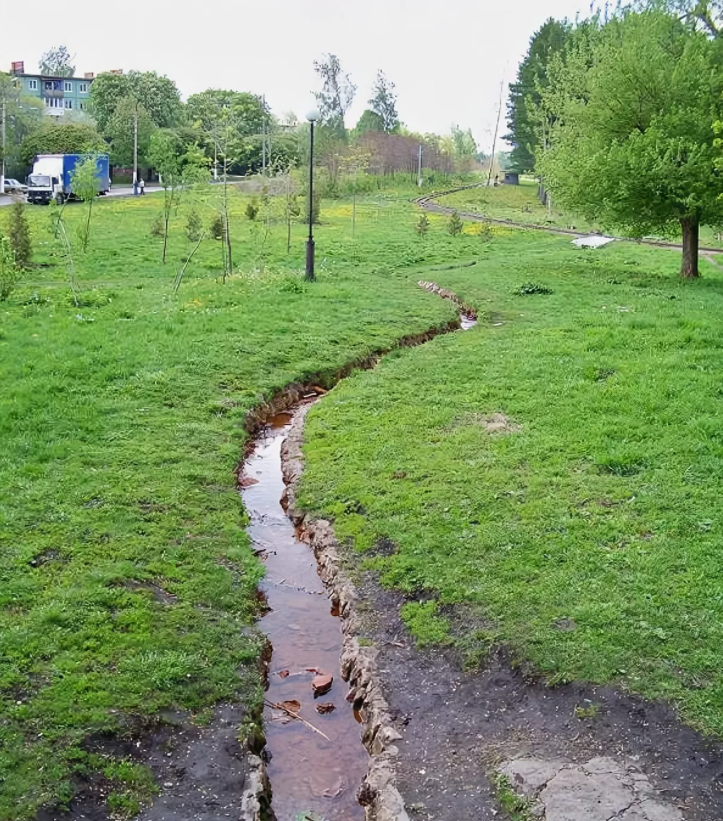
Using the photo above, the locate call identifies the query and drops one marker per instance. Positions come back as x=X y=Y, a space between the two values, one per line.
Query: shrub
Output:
x=531 y=288
x=252 y=210
x=423 y=225
x=315 y=207
x=157 y=226
x=9 y=271
x=19 y=235
x=485 y=232
x=216 y=227
x=194 y=227
x=455 y=225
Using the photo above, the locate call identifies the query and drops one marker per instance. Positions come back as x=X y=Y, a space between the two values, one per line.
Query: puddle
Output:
x=308 y=774
x=311 y=776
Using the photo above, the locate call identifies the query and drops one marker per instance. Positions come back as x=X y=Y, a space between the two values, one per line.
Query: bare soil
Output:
x=459 y=726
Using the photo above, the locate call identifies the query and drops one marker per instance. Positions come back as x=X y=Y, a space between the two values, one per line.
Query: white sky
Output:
x=446 y=58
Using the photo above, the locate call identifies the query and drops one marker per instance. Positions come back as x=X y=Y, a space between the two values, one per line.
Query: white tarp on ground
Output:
x=594 y=241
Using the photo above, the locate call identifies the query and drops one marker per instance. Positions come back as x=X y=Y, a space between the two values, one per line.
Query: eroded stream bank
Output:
x=316 y=766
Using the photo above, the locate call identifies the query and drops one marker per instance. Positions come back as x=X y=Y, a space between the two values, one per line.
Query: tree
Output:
x=23 y=116
x=19 y=236
x=57 y=62
x=455 y=226
x=384 y=103
x=9 y=270
x=337 y=92
x=121 y=128
x=706 y=15
x=158 y=95
x=633 y=144
x=464 y=149
x=177 y=171
x=369 y=121
x=524 y=94
x=86 y=185
x=65 y=138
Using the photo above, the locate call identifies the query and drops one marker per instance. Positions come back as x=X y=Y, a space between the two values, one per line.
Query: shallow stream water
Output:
x=312 y=777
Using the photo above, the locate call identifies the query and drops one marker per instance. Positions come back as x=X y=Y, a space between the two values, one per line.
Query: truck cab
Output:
x=42 y=188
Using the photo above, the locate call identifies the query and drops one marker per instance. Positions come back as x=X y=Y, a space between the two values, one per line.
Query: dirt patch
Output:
x=498 y=423
x=459 y=727
x=203 y=773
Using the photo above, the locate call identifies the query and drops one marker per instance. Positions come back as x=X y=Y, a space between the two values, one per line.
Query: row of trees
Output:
x=622 y=117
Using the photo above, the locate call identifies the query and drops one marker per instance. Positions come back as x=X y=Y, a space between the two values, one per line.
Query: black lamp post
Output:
x=312 y=117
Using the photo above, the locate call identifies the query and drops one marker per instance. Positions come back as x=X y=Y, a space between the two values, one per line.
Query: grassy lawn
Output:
x=587 y=535
x=126 y=577
x=519 y=203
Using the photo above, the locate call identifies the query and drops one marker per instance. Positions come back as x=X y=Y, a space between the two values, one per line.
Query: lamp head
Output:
x=313 y=116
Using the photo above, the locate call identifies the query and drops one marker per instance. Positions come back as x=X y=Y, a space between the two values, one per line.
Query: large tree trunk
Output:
x=689 y=267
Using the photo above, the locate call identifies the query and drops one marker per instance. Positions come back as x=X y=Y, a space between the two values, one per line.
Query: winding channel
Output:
x=315 y=768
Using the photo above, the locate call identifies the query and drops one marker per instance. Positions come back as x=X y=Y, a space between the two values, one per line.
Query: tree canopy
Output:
x=63 y=138
x=158 y=96
x=337 y=92
x=57 y=62
x=383 y=103
x=633 y=144
x=524 y=93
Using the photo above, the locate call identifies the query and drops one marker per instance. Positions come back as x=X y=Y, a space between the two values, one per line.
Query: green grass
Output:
x=519 y=204
x=588 y=541
x=126 y=577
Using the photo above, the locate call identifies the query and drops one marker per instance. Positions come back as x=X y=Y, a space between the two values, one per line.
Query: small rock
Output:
x=321 y=684
x=325 y=707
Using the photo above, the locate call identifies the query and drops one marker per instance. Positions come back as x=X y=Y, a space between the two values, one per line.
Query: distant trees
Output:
x=369 y=121
x=129 y=114
x=158 y=96
x=23 y=116
x=63 y=138
x=57 y=62
x=525 y=92
x=383 y=103
x=337 y=92
x=632 y=143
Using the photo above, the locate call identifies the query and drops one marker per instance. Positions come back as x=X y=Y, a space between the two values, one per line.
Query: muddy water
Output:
x=309 y=774
x=313 y=776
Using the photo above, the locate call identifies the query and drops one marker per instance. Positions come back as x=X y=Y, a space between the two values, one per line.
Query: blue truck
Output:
x=52 y=176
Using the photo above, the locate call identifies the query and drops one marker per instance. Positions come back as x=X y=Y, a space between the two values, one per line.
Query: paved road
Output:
x=114 y=192
x=429 y=203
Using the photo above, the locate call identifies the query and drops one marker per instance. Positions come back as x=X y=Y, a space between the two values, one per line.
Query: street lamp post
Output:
x=312 y=117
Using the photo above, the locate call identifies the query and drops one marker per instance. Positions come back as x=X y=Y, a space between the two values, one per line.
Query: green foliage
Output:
x=422 y=226
x=86 y=185
x=23 y=115
x=455 y=226
x=158 y=97
x=524 y=94
x=252 y=210
x=383 y=103
x=157 y=226
x=194 y=226
x=315 y=207
x=18 y=232
x=57 y=62
x=517 y=807
x=336 y=95
x=369 y=121
x=65 y=138
x=217 y=227
x=644 y=162
x=424 y=624
x=121 y=131
x=9 y=270
x=531 y=288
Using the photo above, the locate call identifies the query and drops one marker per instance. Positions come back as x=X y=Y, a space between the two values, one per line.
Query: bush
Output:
x=531 y=288
x=485 y=232
x=19 y=235
x=315 y=207
x=216 y=228
x=194 y=227
x=252 y=210
x=423 y=225
x=157 y=226
x=455 y=225
x=9 y=271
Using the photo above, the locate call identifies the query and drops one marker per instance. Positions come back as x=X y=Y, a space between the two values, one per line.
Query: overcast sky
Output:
x=446 y=58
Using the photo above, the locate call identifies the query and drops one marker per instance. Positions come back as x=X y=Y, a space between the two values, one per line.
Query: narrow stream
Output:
x=312 y=777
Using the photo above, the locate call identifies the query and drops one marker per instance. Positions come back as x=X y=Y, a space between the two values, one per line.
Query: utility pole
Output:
x=2 y=130
x=135 y=148
x=497 y=128
x=419 y=167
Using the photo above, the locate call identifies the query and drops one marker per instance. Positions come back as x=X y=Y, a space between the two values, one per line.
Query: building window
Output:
x=81 y=106
x=54 y=102
x=33 y=85
x=67 y=86
x=48 y=85
x=83 y=88
x=68 y=103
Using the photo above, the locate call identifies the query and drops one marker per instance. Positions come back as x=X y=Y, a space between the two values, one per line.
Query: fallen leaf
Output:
x=326 y=707
x=284 y=674
x=247 y=481
x=292 y=706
